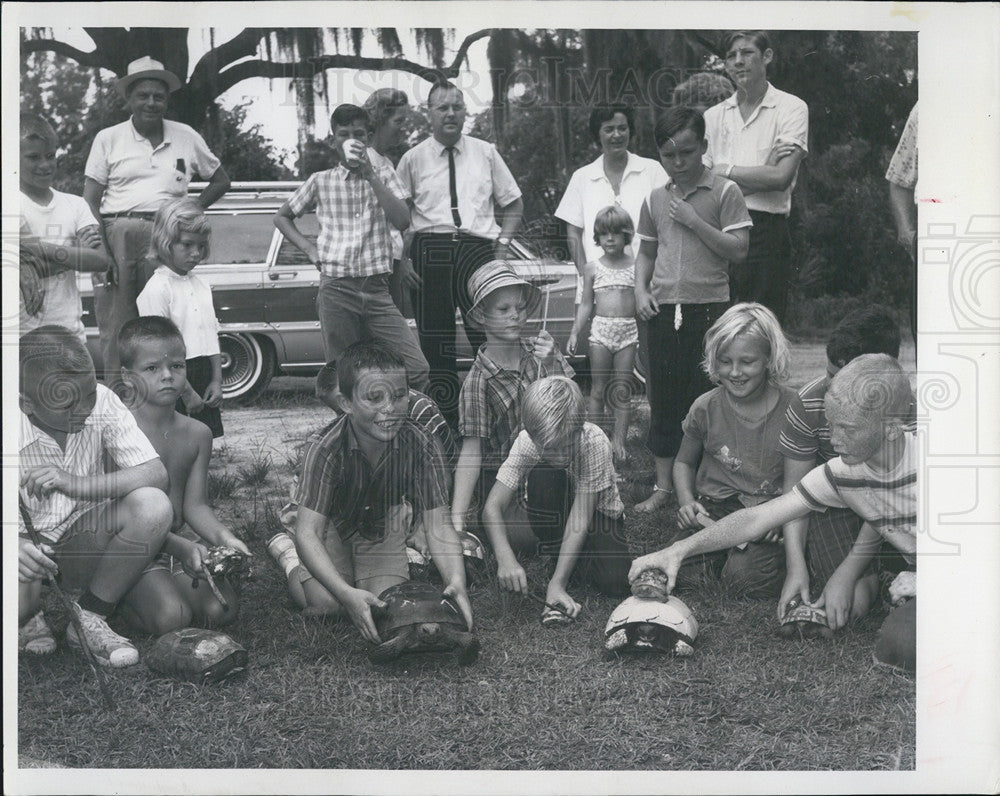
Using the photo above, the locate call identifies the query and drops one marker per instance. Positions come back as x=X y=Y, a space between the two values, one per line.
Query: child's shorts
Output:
x=615 y=334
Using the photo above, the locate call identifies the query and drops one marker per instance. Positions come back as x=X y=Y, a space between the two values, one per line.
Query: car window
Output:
x=242 y=238
x=288 y=253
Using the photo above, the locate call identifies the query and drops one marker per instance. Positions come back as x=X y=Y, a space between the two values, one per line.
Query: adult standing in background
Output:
x=457 y=185
x=617 y=177
x=757 y=138
x=133 y=169
x=387 y=109
x=902 y=177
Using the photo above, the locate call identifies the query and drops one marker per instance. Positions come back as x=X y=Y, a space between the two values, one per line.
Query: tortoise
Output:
x=197 y=655
x=224 y=561
x=639 y=625
x=803 y=620
x=419 y=617
x=651 y=584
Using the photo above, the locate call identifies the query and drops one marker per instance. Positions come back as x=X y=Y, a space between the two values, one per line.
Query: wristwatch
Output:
x=503 y=241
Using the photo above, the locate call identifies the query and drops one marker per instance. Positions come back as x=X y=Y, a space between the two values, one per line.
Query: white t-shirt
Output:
x=187 y=301
x=59 y=222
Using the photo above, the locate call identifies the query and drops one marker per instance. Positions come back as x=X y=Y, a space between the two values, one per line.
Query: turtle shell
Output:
x=638 y=624
x=198 y=655
x=414 y=603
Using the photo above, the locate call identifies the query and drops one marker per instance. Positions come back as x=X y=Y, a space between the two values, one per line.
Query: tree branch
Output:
x=463 y=49
x=65 y=50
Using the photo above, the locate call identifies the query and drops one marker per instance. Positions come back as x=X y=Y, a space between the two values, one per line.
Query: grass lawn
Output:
x=536 y=699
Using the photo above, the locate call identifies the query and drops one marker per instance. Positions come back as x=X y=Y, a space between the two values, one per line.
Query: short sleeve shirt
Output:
x=483 y=183
x=591 y=469
x=355 y=237
x=805 y=434
x=780 y=117
x=885 y=500
x=340 y=483
x=140 y=178
x=590 y=190
x=686 y=271
x=489 y=405
x=903 y=166
x=110 y=429
x=187 y=301
x=58 y=222
x=737 y=458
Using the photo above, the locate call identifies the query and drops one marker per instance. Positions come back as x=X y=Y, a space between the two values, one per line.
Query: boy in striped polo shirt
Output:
x=874 y=474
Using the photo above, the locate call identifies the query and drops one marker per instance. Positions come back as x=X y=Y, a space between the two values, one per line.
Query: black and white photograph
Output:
x=513 y=397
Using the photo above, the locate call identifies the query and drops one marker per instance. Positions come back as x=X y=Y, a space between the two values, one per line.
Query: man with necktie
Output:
x=456 y=185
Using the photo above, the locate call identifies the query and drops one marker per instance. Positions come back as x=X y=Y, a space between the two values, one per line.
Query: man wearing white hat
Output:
x=133 y=169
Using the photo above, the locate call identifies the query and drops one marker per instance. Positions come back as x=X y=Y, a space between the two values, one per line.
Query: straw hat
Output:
x=146 y=68
x=491 y=277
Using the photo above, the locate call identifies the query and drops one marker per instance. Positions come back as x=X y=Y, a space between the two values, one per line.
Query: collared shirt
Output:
x=482 y=180
x=490 y=402
x=779 y=117
x=354 y=234
x=885 y=500
x=140 y=178
x=110 y=428
x=738 y=459
x=805 y=434
x=58 y=222
x=686 y=271
x=903 y=166
x=340 y=483
x=590 y=190
x=591 y=469
x=187 y=301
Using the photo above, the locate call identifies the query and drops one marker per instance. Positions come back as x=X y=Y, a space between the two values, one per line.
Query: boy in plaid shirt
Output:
x=355 y=202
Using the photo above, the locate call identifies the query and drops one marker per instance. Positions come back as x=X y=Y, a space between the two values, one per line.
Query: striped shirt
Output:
x=885 y=500
x=340 y=483
x=591 y=469
x=805 y=433
x=110 y=428
x=490 y=402
x=354 y=234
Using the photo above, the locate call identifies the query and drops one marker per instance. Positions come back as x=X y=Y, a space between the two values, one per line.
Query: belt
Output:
x=130 y=214
x=454 y=235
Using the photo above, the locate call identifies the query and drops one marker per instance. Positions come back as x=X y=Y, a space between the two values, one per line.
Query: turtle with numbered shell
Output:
x=419 y=617
x=641 y=625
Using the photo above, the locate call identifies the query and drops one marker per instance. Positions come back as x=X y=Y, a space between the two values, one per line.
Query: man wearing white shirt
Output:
x=457 y=184
x=757 y=138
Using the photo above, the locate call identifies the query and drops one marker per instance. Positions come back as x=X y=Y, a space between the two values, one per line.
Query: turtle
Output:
x=803 y=620
x=419 y=617
x=639 y=625
x=474 y=557
x=197 y=655
x=651 y=584
x=224 y=561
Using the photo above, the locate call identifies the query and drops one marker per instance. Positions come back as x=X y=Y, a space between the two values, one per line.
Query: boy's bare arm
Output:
x=197 y=513
x=446 y=552
x=583 y=311
x=645 y=304
x=685 y=468
x=396 y=210
x=581 y=515
x=767 y=177
x=284 y=220
x=51 y=258
x=511 y=574
x=838 y=594
x=796 y=533
x=470 y=460
x=42 y=481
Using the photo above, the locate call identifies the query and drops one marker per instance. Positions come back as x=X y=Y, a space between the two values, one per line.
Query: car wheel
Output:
x=247 y=366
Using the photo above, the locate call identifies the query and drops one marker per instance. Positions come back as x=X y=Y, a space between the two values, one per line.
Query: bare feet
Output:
x=658 y=499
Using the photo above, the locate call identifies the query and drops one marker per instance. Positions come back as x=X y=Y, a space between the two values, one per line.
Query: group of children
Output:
x=528 y=466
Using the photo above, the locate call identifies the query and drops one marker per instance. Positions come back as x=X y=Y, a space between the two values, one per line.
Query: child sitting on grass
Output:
x=100 y=531
x=151 y=351
x=728 y=458
x=875 y=474
x=816 y=545
x=360 y=483
x=490 y=401
x=59 y=236
x=614 y=334
x=421 y=411
x=180 y=241
x=573 y=504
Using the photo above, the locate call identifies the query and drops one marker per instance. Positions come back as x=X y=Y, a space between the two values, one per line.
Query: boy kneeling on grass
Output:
x=100 y=531
x=573 y=504
x=360 y=483
x=867 y=406
x=153 y=357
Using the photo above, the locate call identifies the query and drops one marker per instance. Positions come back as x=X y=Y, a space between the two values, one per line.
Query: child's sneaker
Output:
x=281 y=546
x=35 y=636
x=108 y=647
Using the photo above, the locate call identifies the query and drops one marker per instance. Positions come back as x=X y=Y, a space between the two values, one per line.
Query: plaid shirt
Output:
x=591 y=469
x=490 y=402
x=355 y=237
x=111 y=428
x=340 y=483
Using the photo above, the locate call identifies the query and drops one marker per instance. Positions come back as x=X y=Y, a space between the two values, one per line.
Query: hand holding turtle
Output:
x=557 y=595
x=837 y=598
x=796 y=586
x=669 y=560
x=457 y=592
x=192 y=560
x=358 y=603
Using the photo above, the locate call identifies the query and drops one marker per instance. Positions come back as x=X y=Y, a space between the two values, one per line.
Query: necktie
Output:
x=455 y=216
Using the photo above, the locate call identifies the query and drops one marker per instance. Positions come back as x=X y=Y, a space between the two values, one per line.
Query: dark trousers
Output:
x=199 y=373
x=765 y=275
x=675 y=374
x=897 y=638
x=604 y=559
x=444 y=263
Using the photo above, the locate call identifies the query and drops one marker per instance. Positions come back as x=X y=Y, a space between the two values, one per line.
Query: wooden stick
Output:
x=540 y=601
x=214 y=588
x=545 y=306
